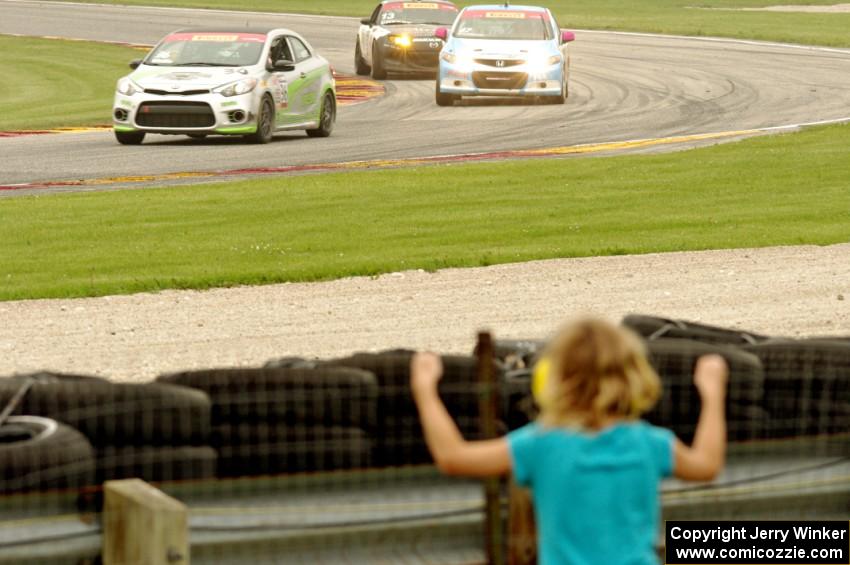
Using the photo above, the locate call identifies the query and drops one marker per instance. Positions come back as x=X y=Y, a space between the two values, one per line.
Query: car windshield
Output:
x=503 y=24
x=208 y=50
x=395 y=13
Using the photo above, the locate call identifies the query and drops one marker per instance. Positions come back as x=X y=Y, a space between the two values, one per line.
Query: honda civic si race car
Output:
x=502 y=50
x=246 y=82
x=399 y=37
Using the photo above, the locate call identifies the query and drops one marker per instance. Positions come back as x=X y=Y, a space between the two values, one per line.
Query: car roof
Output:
x=233 y=29
x=507 y=7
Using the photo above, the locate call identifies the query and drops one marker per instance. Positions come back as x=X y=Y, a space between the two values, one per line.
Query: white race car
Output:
x=246 y=82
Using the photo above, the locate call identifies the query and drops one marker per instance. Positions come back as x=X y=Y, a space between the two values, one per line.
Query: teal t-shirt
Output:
x=596 y=495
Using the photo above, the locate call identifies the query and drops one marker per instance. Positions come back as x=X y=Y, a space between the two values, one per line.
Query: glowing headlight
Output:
x=403 y=41
x=243 y=86
x=537 y=65
x=127 y=87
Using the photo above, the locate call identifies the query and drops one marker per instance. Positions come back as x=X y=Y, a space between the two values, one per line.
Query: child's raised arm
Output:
x=452 y=454
x=704 y=460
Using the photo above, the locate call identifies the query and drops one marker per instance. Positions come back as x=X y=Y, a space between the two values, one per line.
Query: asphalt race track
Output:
x=623 y=87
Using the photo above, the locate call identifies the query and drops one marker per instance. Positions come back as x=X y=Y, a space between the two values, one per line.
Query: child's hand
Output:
x=710 y=377
x=426 y=370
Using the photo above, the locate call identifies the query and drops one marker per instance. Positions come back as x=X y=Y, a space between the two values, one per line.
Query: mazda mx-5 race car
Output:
x=246 y=82
x=502 y=50
x=399 y=37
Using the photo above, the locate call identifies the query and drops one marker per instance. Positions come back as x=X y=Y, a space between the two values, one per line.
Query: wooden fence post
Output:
x=488 y=410
x=143 y=526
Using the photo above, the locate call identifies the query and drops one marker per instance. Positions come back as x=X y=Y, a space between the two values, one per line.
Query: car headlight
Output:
x=541 y=64
x=448 y=57
x=243 y=86
x=127 y=87
x=403 y=41
x=461 y=61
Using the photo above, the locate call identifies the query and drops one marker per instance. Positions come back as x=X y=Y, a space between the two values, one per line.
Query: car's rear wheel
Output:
x=442 y=98
x=130 y=137
x=265 y=123
x=327 y=119
x=378 y=70
x=360 y=65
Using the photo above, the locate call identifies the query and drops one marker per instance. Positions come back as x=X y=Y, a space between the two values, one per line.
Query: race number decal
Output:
x=510 y=15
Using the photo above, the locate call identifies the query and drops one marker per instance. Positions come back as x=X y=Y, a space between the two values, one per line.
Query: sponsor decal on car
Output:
x=506 y=14
x=217 y=37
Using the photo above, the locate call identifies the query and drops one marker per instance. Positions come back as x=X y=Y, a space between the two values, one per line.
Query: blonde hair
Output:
x=598 y=372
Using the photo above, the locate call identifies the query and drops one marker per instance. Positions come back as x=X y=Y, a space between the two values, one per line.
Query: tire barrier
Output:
x=398 y=438
x=807 y=386
x=266 y=449
x=289 y=419
x=38 y=453
x=156 y=464
x=652 y=328
x=679 y=405
x=117 y=413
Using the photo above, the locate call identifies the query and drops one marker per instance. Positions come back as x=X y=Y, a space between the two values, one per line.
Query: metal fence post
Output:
x=488 y=409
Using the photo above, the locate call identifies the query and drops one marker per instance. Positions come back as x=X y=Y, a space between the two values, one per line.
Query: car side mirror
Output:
x=134 y=64
x=441 y=33
x=283 y=65
x=567 y=36
x=366 y=22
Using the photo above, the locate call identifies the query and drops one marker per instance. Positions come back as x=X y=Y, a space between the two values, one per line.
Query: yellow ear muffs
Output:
x=538 y=380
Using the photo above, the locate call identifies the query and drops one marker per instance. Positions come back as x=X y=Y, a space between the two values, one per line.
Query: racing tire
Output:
x=327 y=119
x=107 y=413
x=360 y=66
x=130 y=137
x=42 y=454
x=378 y=70
x=444 y=99
x=156 y=464
x=265 y=123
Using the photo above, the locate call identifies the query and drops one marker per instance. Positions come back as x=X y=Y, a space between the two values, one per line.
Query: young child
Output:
x=593 y=466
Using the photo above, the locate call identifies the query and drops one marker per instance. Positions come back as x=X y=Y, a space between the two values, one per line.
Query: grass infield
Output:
x=54 y=83
x=776 y=190
x=687 y=17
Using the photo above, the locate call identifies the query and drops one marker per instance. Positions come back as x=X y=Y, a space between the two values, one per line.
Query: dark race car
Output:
x=399 y=37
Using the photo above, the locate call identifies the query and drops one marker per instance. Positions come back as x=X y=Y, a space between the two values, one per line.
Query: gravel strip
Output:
x=791 y=291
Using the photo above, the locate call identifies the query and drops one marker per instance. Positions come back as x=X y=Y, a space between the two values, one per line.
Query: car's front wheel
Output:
x=442 y=98
x=378 y=70
x=265 y=123
x=130 y=137
x=360 y=65
x=327 y=119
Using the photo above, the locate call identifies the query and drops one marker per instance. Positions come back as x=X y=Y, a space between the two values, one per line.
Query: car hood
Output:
x=184 y=78
x=501 y=49
x=413 y=30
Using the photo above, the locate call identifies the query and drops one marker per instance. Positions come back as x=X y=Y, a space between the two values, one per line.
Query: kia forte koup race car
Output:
x=399 y=37
x=247 y=82
x=501 y=50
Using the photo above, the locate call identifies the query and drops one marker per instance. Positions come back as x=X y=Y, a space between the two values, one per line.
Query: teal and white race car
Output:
x=246 y=82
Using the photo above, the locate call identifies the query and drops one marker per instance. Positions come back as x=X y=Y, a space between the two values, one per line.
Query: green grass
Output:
x=788 y=189
x=51 y=83
x=656 y=16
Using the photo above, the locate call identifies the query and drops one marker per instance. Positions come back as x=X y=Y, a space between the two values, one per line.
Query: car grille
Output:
x=175 y=115
x=500 y=63
x=501 y=81
x=168 y=93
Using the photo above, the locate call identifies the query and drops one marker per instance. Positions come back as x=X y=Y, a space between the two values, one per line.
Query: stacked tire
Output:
x=286 y=420
x=156 y=432
x=399 y=438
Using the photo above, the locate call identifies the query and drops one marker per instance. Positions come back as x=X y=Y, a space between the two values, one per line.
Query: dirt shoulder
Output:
x=782 y=290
